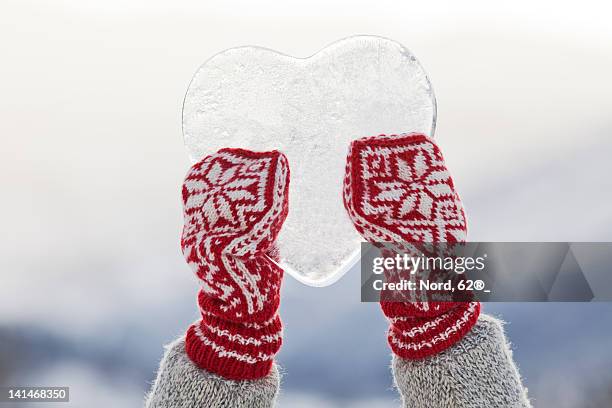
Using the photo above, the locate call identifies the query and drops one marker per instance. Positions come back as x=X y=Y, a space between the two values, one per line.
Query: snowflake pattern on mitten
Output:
x=398 y=190
x=235 y=202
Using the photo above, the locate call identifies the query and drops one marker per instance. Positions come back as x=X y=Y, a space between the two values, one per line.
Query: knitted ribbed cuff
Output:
x=420 y=337
x=233 y=350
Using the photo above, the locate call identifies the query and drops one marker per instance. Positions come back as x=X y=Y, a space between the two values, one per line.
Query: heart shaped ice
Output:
x=310 y=109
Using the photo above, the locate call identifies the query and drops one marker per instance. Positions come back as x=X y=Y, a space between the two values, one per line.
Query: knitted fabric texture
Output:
x=181 y=384
x=235 y=202
x=476 y=372
x=397 y=189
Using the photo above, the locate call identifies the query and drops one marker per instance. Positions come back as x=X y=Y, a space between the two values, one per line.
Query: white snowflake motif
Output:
x=407 y=188
x=225 y=187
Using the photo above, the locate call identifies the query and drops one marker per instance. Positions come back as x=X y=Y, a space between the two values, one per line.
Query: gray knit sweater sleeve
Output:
x=477 y=372
x=181 y=384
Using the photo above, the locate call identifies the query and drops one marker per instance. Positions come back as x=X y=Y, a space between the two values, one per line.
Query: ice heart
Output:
x=310 y=109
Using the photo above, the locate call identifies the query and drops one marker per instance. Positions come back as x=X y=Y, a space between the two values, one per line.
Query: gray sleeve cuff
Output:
x=181 y=384
x=477 y=372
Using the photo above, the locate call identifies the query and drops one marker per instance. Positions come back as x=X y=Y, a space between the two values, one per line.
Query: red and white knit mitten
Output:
x=235 y=202
x=398 y=189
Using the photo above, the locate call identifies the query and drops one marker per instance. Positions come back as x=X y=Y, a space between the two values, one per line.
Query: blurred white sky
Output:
x=586 y=19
